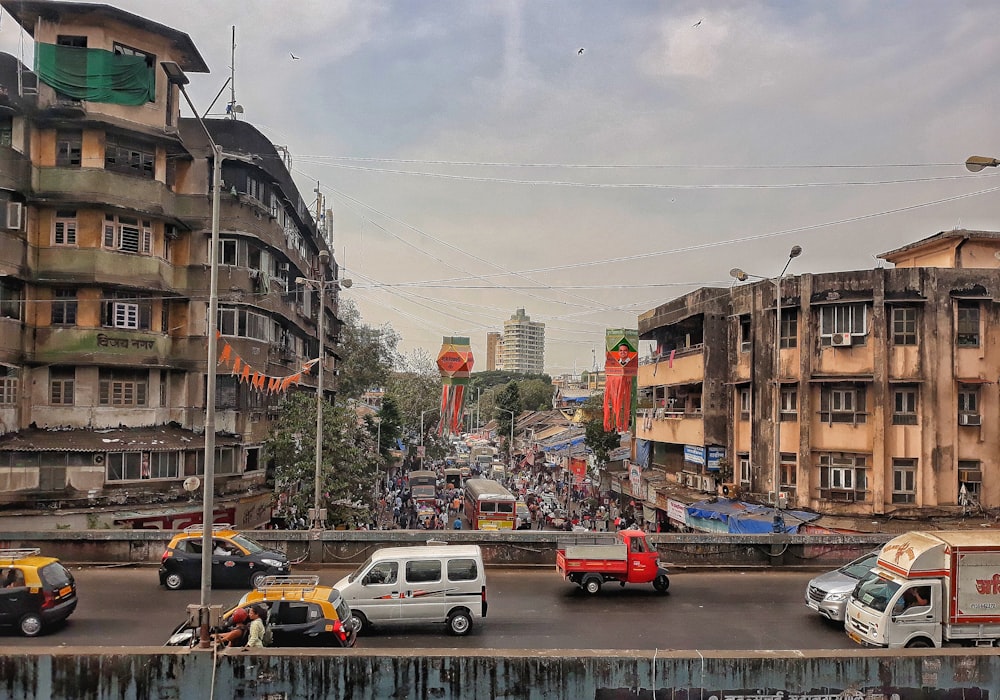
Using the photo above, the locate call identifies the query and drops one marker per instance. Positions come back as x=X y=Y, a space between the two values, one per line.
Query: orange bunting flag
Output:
x=226 y=353
x=218 y=333
x=245 y=375
x=272 y=384
x=284 y=383
x=237 y=364
x=258 y=381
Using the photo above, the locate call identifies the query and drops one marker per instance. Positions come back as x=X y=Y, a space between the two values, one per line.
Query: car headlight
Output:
x=272 y=562
x=837 y=597
x=182 y=638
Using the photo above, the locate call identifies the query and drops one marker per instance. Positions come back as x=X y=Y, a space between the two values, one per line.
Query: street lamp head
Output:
x=795 y=252
x=324 y=257
x=738 y=274
x=346 y=283
x=976 y=163
x=300 y=281
x=175 y=75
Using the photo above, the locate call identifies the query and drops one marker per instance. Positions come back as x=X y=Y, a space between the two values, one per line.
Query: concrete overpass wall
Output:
x=525 y=548
x=143 y=673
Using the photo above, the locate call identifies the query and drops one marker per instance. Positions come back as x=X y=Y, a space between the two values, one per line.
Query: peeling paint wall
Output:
x=487 y=674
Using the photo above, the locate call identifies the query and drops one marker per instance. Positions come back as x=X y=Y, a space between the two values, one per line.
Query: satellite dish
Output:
x=192 y=483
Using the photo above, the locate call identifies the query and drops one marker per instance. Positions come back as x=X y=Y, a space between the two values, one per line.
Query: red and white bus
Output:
x=489 y=506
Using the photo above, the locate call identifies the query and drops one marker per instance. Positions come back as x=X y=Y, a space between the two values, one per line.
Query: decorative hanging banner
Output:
x=621 y=368
x=455 y=363
x=258 y=380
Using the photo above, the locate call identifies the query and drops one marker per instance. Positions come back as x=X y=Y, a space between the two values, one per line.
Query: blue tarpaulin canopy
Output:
x=748 y=518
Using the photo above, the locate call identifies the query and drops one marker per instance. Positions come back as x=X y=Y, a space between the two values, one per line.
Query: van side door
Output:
x=423 y=591
x=379 y=592
x=917 y=610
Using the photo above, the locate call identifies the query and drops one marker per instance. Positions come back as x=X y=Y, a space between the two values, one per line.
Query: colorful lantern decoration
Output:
x=621 y=367
x=455 y=363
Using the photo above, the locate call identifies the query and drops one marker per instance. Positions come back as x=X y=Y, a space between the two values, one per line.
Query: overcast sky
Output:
x=588 y=161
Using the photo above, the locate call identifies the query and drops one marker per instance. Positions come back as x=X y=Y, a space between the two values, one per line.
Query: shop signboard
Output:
x=695 y=454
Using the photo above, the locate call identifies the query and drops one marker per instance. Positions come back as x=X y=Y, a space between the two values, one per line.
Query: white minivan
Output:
x=407 y=585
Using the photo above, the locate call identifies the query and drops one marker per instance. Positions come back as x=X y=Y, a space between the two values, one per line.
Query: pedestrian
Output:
x=457 y=525
x=258 y=613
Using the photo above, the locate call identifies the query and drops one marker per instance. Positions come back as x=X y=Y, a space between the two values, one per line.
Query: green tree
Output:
x=367 y=354
x=536 y=394
x=508 y=405
x=348 y=467
x=388 y=425
x=599 y=440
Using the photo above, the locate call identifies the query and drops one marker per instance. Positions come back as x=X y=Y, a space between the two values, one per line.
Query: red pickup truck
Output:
x=629 y=559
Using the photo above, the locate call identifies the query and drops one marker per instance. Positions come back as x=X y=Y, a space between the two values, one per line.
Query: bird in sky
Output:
x=580 y=52
x=294 y=57
x=697 y=24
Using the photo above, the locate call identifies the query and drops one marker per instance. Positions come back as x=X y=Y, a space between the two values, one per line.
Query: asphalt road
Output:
x=529 y=609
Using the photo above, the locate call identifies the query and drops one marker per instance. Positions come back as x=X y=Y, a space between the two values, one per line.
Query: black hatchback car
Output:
x=36 y=592
x=237 y=560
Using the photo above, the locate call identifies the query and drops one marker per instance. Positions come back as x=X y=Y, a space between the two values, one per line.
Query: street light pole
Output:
x=175 y=76
x=741 y=276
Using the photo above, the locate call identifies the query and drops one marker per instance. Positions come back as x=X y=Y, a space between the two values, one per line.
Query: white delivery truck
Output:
x=930 y=589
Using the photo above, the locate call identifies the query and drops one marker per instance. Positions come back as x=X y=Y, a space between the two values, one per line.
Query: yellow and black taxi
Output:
x=301 y=613
x=36 y=592
x=237 y=560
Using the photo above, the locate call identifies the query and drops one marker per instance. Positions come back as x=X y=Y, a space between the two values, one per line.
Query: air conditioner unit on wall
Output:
x=970 y=419
x=841 y=340
x=730 y=490
x=708 y=484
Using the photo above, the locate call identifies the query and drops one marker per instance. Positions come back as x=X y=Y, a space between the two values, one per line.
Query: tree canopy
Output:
x=599 y=440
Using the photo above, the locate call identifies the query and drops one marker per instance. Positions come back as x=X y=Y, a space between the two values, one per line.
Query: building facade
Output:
x=493 y=340
x=105 y=269
x=523 y=346
x=885 y=388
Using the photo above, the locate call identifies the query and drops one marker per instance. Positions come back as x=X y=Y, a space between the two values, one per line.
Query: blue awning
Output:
x=748 y=518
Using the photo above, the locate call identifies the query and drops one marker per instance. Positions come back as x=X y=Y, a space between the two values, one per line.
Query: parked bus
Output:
x=488 y=505
x=423 y=486
x=453 y=478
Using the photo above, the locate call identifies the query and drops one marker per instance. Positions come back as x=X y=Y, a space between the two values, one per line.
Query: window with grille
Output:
x=128 y=234
x=904 y=480
x=6 y=130
x=64 y=307
x=746 y=334
x=968 y=324
x=788 y=471
x=904 y=406
x=164 y=465
x=10 y=299
x=127 y=310
x=64 y=228
x=968 y=400
x=789 y=404
x=842 y=404
x=745 y=403
x=842 y=476
x=9 y=384
x=243 y=323
x=970 y=475
x=62 y=381
x=789 y=328
x=124 y=466
x=69 y=148
x=836 y=319
x=123 y=387
x=904 y=325
x=126 y=155
x=745 y=471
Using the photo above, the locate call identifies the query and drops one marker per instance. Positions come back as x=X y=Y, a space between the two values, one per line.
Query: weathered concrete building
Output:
x=885 y=389
x=105 y=269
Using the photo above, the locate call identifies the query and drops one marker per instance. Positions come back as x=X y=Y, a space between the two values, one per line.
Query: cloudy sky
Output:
x=478 y=161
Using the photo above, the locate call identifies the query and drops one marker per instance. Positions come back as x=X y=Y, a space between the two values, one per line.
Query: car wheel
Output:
x=257 y=578
x=174 y=581
x=459 y=623
x=921 y=643
x=661 y=583
x=31 y=625
x=592 y=584
x=360 y=622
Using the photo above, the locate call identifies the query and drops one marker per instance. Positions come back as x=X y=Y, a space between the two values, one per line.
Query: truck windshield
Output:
x=875 y=592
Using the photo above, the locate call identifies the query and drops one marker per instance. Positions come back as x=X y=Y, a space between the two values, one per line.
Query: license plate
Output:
x=65 y=590
x=812 y=605
x=856 y=638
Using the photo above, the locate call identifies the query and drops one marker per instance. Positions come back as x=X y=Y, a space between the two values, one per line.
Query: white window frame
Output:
x=904 y=480
x=127 y=237
x=124 y=315
x=746 y=472
x=836 y=319
x=64 y=229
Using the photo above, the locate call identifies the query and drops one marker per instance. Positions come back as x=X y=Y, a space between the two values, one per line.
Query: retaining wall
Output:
x=487 y=674
x=521 y=548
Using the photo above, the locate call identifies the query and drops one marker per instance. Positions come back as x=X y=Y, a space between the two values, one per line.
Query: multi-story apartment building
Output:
x=104 y=275
x=493 y=340
x=523 y=346
x=885 y=384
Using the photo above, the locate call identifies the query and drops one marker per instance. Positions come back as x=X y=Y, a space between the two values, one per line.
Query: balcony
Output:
x=100 y=266
x=102 y=188
x=676 y=427
x=16 y=171
x=73 y=345
x=687 y=367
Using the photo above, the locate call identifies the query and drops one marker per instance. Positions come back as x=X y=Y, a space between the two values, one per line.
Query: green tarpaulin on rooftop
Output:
x=95 y=75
